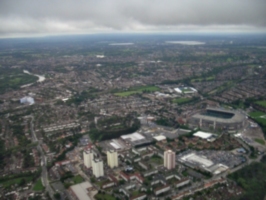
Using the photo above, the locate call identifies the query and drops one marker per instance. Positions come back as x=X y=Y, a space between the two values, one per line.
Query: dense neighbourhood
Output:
x=137 y=119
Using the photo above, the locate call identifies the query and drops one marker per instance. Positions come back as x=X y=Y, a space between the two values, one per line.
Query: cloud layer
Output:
x=33 y=17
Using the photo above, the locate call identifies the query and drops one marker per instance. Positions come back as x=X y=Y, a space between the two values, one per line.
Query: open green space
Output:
x=181 y=100
x=14 y=78
x=137 y=90
x=125 y=94
x=157 y=160
x=260 y=141
x=259 y=117
x=38 y=186
x=261 y=103
x=104 y=197
x=187 y=89
x=209 y=78
x=15 y=181
x=135 y=193
x=77 y=179
x=223 y=87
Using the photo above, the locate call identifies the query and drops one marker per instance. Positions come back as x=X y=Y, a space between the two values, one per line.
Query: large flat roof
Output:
x=159 y=137
x=81 y=191
x=203 y=135
x=133 y=137
x=193 y=158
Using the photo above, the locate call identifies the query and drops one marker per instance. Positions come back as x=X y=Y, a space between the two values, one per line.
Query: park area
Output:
x=137 y=90
x=7 y=183
x=259 y=117
x=261 y=103
x=181 y=100
x=38 y=186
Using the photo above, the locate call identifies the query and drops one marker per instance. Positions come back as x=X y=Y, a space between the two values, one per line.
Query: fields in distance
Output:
x=136 y=90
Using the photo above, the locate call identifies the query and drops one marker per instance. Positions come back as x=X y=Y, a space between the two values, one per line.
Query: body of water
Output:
x=186 y=42
x=121 y=44
x=41 y=78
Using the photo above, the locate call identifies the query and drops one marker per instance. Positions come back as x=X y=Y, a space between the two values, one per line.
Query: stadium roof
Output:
x=238 y=117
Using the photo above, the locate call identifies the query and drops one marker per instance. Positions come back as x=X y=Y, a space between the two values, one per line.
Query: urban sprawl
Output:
x=133 y=118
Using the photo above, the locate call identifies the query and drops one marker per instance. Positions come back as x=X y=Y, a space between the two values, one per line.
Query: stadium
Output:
x=218 y=119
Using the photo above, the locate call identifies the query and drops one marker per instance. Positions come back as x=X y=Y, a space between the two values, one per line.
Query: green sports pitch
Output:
x=261 y=103
x=258 y=116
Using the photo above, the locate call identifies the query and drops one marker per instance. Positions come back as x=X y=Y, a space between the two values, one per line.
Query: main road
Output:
x=44 y=177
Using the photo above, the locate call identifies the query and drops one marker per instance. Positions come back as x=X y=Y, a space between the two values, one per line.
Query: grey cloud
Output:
x=86 y=16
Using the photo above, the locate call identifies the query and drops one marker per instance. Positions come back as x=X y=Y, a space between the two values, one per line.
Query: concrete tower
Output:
x=169 y=159
x=112 y=158
x=97 y=167
x=88 y=157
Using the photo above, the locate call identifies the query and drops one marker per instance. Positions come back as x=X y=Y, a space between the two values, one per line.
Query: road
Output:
x=44 y=176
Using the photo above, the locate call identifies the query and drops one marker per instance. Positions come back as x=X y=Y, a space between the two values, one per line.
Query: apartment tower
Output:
x=112 y=159
x=169 y=159
x=88 y=157
x=97 y=167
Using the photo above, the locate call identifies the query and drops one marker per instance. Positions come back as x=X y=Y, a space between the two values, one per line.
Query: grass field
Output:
x=261 y=103
x=104 y=197
x=260 y=141
x=135 y=193
x=156 y=160
x=14 y=181
x=209 y=78
x=14 y=78
x=100 y=183
x=77 y=179
x=136 y=90
x=38 y=186
x=181 y=100
x=259 y=116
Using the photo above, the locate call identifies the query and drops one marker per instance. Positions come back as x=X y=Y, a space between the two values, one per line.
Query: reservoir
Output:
x=186 y=42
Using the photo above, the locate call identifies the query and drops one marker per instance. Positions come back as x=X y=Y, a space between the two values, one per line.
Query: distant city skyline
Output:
x=28 y=18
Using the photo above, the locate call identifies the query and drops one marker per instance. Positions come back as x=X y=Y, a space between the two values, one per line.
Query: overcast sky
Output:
x=52 y=17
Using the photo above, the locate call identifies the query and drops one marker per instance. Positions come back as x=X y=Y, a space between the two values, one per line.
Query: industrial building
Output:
x=81 y=191
x=136 y=138
x=194 y=160
x=218 y=119
x=169 y=159
x=112 y=158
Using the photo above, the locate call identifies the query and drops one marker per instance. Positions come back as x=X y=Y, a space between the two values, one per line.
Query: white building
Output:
x=112 y=158
x=97 y=167
x=27 y=100
x=169 y=159
x=162 y=190
x=88 y=157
